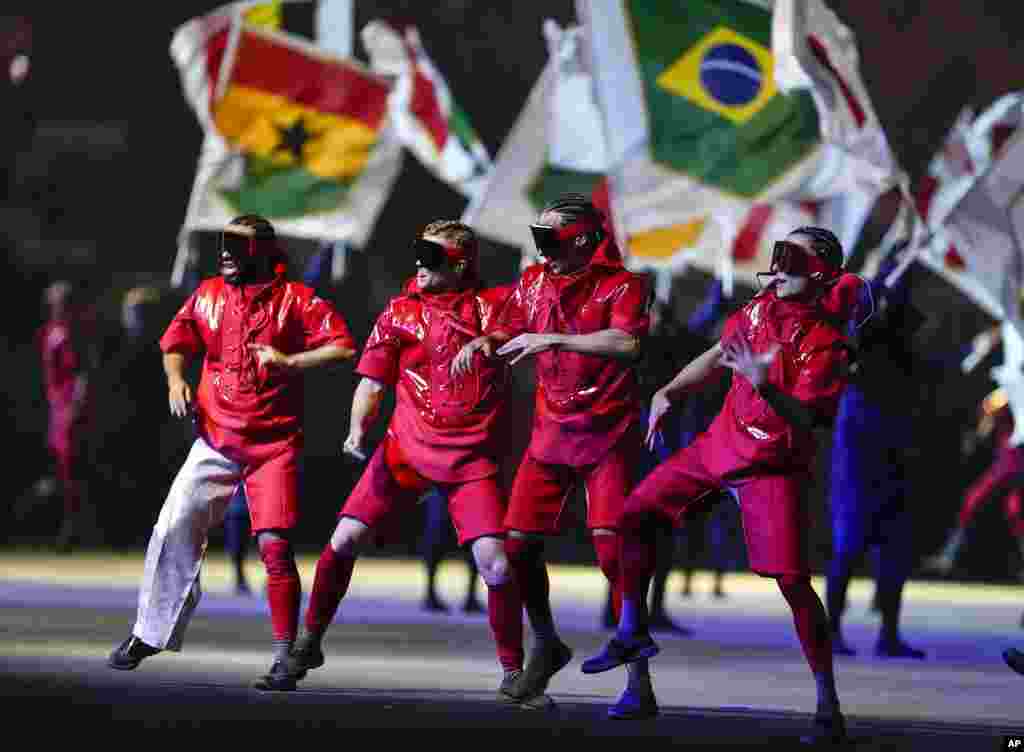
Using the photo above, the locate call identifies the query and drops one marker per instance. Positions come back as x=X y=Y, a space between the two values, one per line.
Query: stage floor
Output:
x=739 y=681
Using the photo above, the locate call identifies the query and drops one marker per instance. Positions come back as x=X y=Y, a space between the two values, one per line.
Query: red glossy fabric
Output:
x=445 y=425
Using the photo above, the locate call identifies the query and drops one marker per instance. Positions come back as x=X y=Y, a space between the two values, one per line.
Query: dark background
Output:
x=104 y=182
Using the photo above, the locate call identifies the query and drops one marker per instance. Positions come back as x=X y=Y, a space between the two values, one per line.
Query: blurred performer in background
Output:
x=872 y=459
x=69 y=360
x=17 y=106
x=257 y=332
x=668 y=348
x=137 y=440
x=437 y=534
x=432 y=344
x=715 y=535
x=789 y=364
x=237 y=530
x=583 y=316
x=1004 y=477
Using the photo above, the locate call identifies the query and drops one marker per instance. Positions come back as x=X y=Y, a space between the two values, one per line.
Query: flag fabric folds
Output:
x=427 y=119
x=972 y=207
x=557 y=144
x=729 y=123
x=291 y=131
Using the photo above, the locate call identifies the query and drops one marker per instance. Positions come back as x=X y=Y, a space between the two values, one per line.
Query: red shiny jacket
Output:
x=444 y=425
x=748 y=436
x=584 y=403
x=239 y=401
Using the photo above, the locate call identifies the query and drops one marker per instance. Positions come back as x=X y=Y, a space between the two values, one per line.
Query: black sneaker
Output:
x=617 y=653
x=279 y=679
x=827 y=730
x=546 y=660
x=506 y=688
x=130 y=653
x=306 y=655
x=898 y=649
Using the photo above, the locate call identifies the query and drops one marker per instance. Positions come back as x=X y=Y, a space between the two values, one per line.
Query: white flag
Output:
x=969 y=204
x=427 y=119
x=556 y=145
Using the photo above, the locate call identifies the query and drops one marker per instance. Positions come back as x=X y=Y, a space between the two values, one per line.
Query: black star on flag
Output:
x=294 y=138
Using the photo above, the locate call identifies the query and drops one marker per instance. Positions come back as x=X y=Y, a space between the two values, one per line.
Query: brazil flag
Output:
x=306 y=122
x=714 y=112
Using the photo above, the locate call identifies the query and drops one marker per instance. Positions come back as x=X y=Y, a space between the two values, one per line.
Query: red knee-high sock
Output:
x=811 y=623
x=70 y=487
x=638 y=563
x=505 y=611
x=531 y=575
x=608 y=549
x=284 y=590
x=333 y=574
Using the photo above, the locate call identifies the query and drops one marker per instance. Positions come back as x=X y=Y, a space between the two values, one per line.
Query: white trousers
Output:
x=196 y=503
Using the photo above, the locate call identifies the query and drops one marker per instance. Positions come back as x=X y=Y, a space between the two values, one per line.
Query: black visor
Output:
x=236 y=245
x=546 y=240
x=429 y=255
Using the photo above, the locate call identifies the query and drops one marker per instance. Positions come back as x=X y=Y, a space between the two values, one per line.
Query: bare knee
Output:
x=491 y=561
x=350 y=538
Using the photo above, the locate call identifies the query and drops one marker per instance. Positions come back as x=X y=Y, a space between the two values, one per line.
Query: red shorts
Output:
x=271 y=473
x=775 y=518
x=389 y=486
x=540 y=491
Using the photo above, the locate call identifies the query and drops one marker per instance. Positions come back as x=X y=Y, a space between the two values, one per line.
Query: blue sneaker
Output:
x=636 y=703
x=1014 y=659
x=618 y=653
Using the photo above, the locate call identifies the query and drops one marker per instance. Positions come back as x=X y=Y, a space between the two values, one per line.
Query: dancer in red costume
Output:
x=67 y=360
x=789 y=364
x=582 y=314
x=257 y=333
x=432 y=344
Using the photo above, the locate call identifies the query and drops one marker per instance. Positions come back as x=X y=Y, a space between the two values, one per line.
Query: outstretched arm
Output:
x=692 y=377
x=612 y=343
x=301 y=361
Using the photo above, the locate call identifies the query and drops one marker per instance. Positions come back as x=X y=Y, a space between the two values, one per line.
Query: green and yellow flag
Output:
x=307 y=124
x=707 y=76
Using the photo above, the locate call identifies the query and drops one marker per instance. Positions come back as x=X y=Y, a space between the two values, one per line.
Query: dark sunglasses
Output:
x=790 y=258
x=239 y=246
x=546 y=240
x=555 y=242
x=429 y=255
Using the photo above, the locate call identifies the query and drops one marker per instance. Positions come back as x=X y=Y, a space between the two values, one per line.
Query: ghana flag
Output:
x=290 y=153
x=306 y=122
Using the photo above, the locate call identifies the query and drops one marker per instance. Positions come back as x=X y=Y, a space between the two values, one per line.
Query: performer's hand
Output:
x=739 y=357
x=660 y=405
x=179 y=395
x=463 y=362
x=269 y=357
x=353 y=447
x=528 y=344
